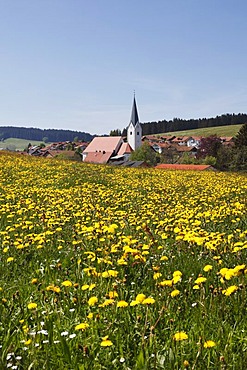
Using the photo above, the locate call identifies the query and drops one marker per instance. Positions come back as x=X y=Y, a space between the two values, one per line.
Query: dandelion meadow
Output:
x=109 y=268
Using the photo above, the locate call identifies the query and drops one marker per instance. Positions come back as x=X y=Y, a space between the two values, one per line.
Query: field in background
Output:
x=17 y=144
x=118 y=268
x=230 y=130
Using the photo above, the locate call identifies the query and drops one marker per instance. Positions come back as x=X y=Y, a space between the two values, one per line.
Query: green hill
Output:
x=230 y=130
x=17 y=144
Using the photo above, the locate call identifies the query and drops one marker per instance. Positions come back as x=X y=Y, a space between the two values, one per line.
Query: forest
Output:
x=46 y=135
x=178 y=124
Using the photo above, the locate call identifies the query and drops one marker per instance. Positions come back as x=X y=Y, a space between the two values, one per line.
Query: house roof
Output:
x=125 y=148
x=98 y=157
x=198 y=167
x=104 y=144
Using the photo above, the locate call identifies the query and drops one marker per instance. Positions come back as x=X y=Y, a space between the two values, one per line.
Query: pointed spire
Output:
x=134 y=115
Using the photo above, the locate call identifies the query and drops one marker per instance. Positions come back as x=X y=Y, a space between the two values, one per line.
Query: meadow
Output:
x=118 y=268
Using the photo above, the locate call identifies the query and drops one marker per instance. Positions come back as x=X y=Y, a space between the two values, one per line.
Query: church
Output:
x=113 y=148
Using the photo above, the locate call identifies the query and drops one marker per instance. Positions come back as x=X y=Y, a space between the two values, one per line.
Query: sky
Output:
x=75 y=64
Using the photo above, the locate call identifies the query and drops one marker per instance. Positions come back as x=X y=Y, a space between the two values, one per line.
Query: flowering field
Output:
x=107 y=268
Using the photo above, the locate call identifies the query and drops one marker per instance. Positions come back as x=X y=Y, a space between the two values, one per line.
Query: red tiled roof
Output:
x=125 y=148
x=198 y=167
x=106 y=144
x=98 y=157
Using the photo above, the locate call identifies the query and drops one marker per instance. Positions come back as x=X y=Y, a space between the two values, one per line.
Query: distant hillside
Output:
x=177 y=124
x=222 y=131
x=17 y=144
x=46 y=135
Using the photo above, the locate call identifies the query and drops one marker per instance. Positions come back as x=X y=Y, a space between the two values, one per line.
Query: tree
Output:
x=241 y=137
x=144 y=153
x=45 y=139
x=116 y=132
x=209 y=146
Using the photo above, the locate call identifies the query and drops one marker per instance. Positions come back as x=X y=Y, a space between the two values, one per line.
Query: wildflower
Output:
x=134 y=303
x=122 y=304
x=230 y=290
x=28 y=342
x=207 y=268
x=107 y=302
x=149 y=300
x=196 y=287
x=157 y=275
x=64 y=333
x=32 y=306
x=164 y=258
x=140 y=297
x=166 y=283
x=83 y=326
x=200 y=280
x=106 y=342
x=90 y=315
x=186 y=363
x=10 y=259
x=112 y=294
x=67 y=283
x=92 y=301
x=175 y=292
x=180 y=336
x=85 y=287
x=209 y=344
x=34 y=281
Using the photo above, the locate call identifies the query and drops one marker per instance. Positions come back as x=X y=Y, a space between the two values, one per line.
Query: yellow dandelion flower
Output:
x=10 y=259
x=67 y=283
x=92 y=301
x=180 y=336
x=140 y=297
x=209 y=344
x=28 y=342
x=106 y=342
x=85 y=287
x=107 y=302
x=175 y=292
x=196 y=287
x=149 y=300
x=164 y=258
x=177 y=273
x=90 y=315
x=176 y=279
x=34 y=281
x=231 y=289
x=200 y=280
x=207 y=268
x=83 y=326
x=157 y=275
x=122 y=304
x=112 y=294
x=168 y=283
x=32 y=306
x=134 y=303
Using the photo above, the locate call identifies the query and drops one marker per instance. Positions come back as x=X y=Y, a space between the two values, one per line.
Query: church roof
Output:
x=134 y=114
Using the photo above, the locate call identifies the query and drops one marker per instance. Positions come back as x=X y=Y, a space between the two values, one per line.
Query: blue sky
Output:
x=74 y=64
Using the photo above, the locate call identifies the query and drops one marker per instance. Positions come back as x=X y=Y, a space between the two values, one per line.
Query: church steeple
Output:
x=134 y=115
x=134 y=130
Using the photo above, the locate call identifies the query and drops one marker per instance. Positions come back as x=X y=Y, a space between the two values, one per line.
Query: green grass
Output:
x=230 y=130
x=80 y=246
x=17 y=144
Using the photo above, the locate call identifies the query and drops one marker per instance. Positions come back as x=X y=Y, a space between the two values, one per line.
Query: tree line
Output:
x=178 y=124
x=47 y=135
